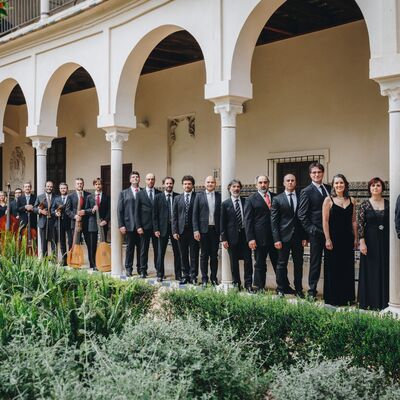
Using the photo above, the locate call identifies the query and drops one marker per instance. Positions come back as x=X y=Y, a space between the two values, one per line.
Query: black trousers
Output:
x=260 y=267
x=209 y=244
x=92 y=247
x=132 y=242
x=317 y=248
x=241 y=251
x=144 y=249
x=162 y=248
x=187 y=243
x=296 y=248
x=46 y=236
x=63 y=237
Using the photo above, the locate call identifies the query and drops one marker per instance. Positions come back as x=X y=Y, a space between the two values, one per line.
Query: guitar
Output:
x=75 y=257
x=103 y=251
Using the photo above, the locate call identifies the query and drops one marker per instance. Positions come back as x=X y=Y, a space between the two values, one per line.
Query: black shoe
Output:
x=143 y=275
x=289 y=290
x=249 y=289
x=236 y=286
x=280 y=293
x=204 y=284
x=184 y=281
x=128 y=271
x=159 y=279
x=299 y=293
x=94 y=269
x=311 y=296
x=193 y=281
x=214 y=283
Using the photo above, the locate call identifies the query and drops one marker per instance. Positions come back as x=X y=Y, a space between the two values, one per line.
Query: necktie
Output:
x=323 y=191
x=48 y=198
x=238 y=214
x=291 y=201
x=187 y=202
x=98 y=199
x=27 y=199
x=267 y=199
x=169 y=206
x=151 y=195
x=63 y=199
x=80 y=200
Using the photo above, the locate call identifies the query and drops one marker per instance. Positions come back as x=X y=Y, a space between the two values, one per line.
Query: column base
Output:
x=393 y=309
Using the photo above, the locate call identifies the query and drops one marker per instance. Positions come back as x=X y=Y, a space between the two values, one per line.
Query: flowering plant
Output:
x=3 y=8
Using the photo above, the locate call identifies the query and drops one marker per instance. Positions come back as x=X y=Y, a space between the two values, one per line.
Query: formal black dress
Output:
x=339 y=287
x=373 y=286
x=3 y=210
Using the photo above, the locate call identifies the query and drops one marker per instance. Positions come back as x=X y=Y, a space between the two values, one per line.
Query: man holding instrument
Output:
x=42 y=208
x=13 y=204
x=63 y=222
x=97 y=202
x=75 y=209
x=25 y=207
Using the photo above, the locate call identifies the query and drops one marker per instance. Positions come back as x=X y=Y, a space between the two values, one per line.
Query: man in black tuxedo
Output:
x=257 y=222
x=144 y=222
x=162 y=221
x=126 y=222
x=75 y=210
x=62 y=221
x=233 y=235
x=25 y=205
x=289 y=236
x=206 y=220
x=13 y=203
x=42 y=208
x=182 y=229
x=97 y=201
x=310 y=215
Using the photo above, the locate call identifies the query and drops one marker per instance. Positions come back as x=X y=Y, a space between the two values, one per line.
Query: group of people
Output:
x=270 y=225
x=56 y=217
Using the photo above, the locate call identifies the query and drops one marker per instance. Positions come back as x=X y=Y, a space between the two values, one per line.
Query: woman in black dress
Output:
x=3 y=204
x=373 y=231
x=340 y=230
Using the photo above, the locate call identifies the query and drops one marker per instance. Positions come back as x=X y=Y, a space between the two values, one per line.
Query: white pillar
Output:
x=116 y=136
x=41 y=144
x=44 y=8
x=393 y=92
x=228 y=108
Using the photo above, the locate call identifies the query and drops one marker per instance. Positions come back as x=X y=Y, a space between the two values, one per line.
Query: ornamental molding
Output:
x=174 y=122
x=117 y=139
x=41 y=144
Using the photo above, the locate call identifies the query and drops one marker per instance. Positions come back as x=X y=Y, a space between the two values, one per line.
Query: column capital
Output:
x=116 y=136
x=41 y=144
x=391 y=89
x=228 y=108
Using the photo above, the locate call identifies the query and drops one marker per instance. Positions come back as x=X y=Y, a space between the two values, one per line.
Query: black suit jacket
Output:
x=126 y=209
x=14 y=207
x=104 y=210
x=23 y=215
x=229 y=225
x=310 y=209
x=144 y=210
x=43 y=218
x=72 y=206
x=201 y=212
x=178 y=214
x=160 y=213
x=64 y=219
x=285 y=223
x=257 y=220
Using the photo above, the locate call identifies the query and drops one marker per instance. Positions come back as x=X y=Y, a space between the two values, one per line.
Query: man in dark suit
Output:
x=13 y=203
x=75 y=209
x=206 y=220
x=257 y=222
x=162 y=220
x=25 y=205
x=42 y=208
x=144 y=222
x=62 y=221
x=126 y=222
x=289 y=236
x=182 y=229
x=97 y=201
x=233 y=235
x=310 y=215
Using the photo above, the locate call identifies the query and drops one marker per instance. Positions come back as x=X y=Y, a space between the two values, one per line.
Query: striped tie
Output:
x=187 y=203
x=238 y=214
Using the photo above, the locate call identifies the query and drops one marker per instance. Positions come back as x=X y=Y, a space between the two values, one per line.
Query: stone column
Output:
x=392 y=90
x=41 y=144
x=44 y=8
x=228 y=108
x=116 y=136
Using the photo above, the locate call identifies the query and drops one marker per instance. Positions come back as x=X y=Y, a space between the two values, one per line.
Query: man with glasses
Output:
x=310 y=215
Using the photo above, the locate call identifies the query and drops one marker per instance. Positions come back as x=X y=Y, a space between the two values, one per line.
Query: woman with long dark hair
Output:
x=340 y=230
x=373 y=231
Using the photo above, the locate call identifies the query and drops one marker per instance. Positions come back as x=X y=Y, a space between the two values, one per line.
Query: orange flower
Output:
x=1 y=4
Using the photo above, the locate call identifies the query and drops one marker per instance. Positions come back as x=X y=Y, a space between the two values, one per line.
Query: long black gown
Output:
x=339 y=287
x=3 y=210
x=373 y=286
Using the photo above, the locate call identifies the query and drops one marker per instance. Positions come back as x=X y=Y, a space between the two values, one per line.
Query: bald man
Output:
x=206 y=229
x=144 y=222
x=289 y=237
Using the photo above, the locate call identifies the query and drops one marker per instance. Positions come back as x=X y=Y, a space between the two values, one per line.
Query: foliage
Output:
x=3 y=8
x=283 y=330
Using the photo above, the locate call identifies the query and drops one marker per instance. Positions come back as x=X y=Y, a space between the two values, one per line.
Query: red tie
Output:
x=81 y=200
x=267 y=200
x=98 y=199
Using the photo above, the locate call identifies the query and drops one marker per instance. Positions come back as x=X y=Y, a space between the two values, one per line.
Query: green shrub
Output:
x=330 y=379
x=282 y=330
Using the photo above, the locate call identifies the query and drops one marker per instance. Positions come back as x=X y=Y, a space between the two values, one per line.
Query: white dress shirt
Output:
x=294 y=198
x=134 y=191
x=319 y=188
x=240 y=205
x=211 y=206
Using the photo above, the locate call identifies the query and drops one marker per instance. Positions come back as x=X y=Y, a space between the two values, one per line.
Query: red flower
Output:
x=1 y=4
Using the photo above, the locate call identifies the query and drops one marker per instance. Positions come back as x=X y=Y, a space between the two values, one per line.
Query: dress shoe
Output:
x=289 y=290
x=249 y=290
x=280 y=294
x=159 y=279
x=299 y=293
x=143 y=275
x=184 y=281
x=214 y=283
x=129 y=272
x=236 y=286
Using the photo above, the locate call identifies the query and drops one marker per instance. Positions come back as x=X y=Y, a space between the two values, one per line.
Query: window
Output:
x=106 y=177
